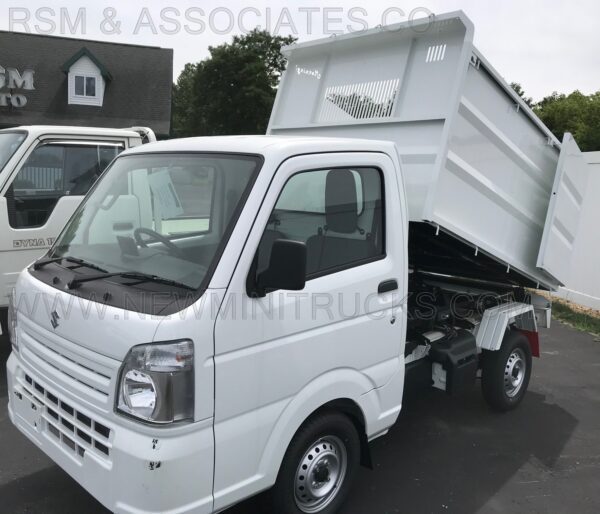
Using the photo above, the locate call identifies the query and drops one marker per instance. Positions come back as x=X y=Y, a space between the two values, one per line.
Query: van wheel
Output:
x=506 y=372
x=318 y=468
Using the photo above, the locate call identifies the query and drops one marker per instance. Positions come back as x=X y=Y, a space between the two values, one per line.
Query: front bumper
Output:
x=150 y=470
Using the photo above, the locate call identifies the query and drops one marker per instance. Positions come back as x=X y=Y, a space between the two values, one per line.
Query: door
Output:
x=41 y=196
x=339 y=333
x=564 y=211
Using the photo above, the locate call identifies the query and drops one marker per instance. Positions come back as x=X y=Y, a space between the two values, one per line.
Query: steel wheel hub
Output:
x=320 y=474
x=514 y=373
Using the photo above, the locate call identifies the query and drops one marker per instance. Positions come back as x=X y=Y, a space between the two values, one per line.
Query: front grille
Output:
x=76 y=432
x=83 y=371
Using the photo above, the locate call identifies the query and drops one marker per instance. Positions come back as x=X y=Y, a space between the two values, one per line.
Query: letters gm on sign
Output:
x=11 y=82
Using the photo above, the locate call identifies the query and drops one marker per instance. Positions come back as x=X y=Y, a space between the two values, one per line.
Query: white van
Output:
x=224 y=316
x=45 y=171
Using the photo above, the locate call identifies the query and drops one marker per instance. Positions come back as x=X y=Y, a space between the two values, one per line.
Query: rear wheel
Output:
x=506 y=372
x=318 y=468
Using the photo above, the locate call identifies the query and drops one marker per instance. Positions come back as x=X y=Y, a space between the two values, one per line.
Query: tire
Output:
x=506 y=372
x=327 y=448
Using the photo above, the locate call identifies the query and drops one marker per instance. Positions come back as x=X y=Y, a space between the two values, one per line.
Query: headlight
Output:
x=156 y=382
x=12 y=320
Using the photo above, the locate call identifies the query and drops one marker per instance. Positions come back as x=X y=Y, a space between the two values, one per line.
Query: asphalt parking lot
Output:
x=444 y=455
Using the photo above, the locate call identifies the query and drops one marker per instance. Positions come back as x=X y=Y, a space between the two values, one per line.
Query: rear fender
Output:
x=497 y=320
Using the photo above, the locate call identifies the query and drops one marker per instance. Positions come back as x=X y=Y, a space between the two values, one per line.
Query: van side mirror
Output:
x=287 y=268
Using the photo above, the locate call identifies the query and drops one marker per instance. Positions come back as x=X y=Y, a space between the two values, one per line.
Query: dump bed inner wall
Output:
x=475 y=160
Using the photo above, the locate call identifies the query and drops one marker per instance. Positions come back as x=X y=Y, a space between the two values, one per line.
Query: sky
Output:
x=546 y=46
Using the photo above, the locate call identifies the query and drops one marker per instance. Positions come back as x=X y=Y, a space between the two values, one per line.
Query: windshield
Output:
x=9 y=144
x=163 y=215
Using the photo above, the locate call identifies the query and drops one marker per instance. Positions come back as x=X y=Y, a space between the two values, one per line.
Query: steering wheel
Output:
x=155 y=236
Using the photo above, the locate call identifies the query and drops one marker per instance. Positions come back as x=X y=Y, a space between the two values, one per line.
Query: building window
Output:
x=86 y=89
x=85 y=86
x=87 y=79
x=90 y=86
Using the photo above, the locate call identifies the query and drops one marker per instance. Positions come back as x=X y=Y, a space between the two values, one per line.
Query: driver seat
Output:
x=341 y=241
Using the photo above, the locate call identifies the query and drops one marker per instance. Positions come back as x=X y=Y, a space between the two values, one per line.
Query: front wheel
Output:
x=506 y=372
x=318 y=468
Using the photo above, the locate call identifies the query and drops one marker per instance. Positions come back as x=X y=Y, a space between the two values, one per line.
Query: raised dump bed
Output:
x=483 y=174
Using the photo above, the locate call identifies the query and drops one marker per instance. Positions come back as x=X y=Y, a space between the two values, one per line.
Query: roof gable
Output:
x=84 y=52
x=129 y=98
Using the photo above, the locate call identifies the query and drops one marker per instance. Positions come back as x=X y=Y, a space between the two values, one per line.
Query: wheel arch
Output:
x=341 y=390
x=351 y=409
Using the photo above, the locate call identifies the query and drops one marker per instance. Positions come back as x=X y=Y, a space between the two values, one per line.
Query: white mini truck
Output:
x=223 y=316
x=45 y=171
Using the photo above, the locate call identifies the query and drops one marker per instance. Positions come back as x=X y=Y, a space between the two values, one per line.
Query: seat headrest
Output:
x=341 y=201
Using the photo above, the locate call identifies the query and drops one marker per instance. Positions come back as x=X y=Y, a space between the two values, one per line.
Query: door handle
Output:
x=387 y=285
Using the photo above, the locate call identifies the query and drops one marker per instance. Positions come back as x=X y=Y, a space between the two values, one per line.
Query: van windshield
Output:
x=9 y=144
x=166 y=216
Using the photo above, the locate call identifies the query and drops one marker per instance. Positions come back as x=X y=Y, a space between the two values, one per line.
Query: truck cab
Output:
x=45 y=171
x=197 y=241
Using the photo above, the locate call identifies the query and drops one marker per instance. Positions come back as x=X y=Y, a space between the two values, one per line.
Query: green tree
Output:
x=267 y=48
x=183 y=101
x=576 y=113
x=521 y=92
x=232 y=91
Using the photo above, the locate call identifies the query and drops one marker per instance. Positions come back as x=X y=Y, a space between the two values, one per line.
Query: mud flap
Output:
x=534 y=341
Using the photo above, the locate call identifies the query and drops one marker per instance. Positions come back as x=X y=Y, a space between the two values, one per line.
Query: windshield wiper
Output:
x=135 y=275
x=37 y=265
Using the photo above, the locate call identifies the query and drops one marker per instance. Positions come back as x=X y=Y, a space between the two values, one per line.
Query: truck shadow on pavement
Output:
x=452 y=454
x=444 y=455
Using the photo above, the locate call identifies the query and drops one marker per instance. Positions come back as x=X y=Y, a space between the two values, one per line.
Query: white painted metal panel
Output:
x=495 y=321
x=475 y=159
x=494 y=187
x=564 y=212
x=395 y=83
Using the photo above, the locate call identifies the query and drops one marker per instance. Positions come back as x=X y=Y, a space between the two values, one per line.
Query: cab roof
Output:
x=282 y=146
x=39 y=130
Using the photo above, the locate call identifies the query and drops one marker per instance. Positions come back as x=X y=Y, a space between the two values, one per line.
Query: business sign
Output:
x=12 y=85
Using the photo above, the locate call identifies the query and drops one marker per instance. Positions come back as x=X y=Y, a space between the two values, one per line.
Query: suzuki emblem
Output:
x=54 y=317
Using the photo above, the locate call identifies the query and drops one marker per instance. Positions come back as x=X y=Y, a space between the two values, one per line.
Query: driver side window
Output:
x=337 y=213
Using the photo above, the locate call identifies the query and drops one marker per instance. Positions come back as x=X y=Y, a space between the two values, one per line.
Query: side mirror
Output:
x=287 y=268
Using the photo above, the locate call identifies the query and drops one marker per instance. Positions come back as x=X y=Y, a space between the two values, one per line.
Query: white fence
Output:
x=38 y=178
x=583 y=285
